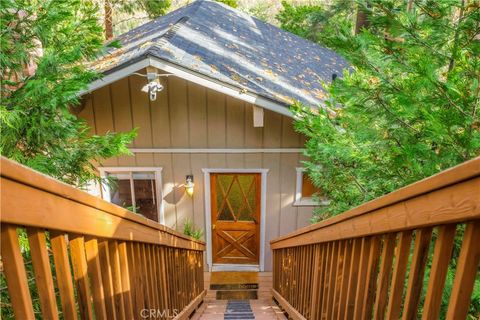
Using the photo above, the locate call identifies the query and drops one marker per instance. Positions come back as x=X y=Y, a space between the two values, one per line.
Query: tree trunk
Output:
x=410 y=6
x=362 y=19
x=108 y=20
x=456 y=36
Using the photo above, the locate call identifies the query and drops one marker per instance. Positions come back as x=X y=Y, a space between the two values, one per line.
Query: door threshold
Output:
x=235 y=267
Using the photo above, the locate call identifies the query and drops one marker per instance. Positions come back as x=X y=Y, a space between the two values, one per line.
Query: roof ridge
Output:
x=172 y=30
x=170 y=33
x=232 y=47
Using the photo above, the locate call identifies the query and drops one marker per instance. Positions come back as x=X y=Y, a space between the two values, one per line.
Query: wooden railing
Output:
x=67 y=254
x=388 y=258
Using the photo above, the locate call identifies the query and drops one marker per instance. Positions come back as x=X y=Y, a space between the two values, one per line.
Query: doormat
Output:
x=234 y=286
x=237 y=295
x=238 y=309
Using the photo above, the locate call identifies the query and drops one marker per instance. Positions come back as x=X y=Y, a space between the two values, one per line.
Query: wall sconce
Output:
x=189 y=184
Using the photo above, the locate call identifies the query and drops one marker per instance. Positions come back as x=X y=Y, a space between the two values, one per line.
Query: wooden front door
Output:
x=235 y=217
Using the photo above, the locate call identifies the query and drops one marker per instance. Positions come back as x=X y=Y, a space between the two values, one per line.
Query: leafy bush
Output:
x=190 y=230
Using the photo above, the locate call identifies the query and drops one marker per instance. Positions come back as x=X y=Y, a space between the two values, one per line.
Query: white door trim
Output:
x=105 y=191
x=208 y=215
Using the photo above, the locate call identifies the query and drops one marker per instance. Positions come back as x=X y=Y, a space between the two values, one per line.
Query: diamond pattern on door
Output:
x=235 y=217
x=236 y=197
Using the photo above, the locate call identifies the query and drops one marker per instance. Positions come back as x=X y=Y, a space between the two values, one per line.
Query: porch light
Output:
x=189 y=184
x=152 y=88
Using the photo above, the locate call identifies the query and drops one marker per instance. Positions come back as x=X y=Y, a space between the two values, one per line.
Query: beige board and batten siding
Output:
x=186 y=115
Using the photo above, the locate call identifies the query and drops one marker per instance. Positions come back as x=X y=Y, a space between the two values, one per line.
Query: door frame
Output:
x=208 y=219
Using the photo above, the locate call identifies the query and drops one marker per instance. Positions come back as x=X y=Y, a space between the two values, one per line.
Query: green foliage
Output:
x=231 y=3
x=300 y=20
x=474 y=311
x=38 y=127
x=311 y=21
x=190 y=230
x=260 y=11
x=154 y=8
x=6 y=305
x=407 y=109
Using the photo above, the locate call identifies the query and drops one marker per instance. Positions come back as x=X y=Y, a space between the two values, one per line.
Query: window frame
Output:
x=105 y=191
x=300 y=201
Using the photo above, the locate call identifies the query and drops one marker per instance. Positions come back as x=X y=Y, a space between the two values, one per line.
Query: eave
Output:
x=189 y=75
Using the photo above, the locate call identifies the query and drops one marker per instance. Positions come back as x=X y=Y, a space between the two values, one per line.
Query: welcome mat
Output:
x=238 y=309
x=234 y=286
x=237 y=295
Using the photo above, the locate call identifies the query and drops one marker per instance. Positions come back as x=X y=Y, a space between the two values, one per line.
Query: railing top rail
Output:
x=12 y=171
x=455 y=175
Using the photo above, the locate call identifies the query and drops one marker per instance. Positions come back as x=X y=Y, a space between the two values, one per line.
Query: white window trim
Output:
x=158 y=181
x=304 y=201
x=208 y=218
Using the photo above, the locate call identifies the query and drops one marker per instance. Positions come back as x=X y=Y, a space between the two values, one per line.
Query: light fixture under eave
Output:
x=189 y=184
x=152 y=88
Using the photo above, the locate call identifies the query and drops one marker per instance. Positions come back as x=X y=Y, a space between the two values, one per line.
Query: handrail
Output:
x=354 y=265
x=124 y=266
x=455 y=175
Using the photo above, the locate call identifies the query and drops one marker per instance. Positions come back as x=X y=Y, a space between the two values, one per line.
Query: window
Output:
x=136 y=189
x=306 y=190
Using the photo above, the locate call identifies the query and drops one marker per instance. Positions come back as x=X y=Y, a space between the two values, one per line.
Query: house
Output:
x=209 y=89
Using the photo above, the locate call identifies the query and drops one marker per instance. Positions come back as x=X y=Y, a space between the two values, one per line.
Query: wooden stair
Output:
x=262 y=308
x=235 y=285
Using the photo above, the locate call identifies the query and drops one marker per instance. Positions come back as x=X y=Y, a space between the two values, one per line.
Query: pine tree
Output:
x=231 y=3
x=44 y=47
x=121 y=11
x=311 y=21
x=407 y=108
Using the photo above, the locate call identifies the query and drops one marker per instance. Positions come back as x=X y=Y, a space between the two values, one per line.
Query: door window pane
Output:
x=236 y=197
x=224 y=181
x=249 y=194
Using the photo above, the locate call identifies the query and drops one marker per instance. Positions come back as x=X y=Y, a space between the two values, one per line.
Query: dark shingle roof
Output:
x=230 y=46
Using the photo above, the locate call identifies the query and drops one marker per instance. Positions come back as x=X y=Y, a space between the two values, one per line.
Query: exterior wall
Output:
x=186 y=115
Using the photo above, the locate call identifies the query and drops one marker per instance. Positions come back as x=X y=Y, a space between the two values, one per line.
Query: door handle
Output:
x=213 y=226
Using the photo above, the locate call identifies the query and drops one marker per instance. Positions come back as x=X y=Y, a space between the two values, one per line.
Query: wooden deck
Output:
x=99 y=260
x=264 y=308
x=373 y=261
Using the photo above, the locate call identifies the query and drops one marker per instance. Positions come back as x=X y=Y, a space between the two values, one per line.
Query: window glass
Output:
x=142 y=199
x=120 y=190
x=145 y=191
x=308 y=189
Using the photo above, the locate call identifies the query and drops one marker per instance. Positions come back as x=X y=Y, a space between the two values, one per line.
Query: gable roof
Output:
x=224 y=44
